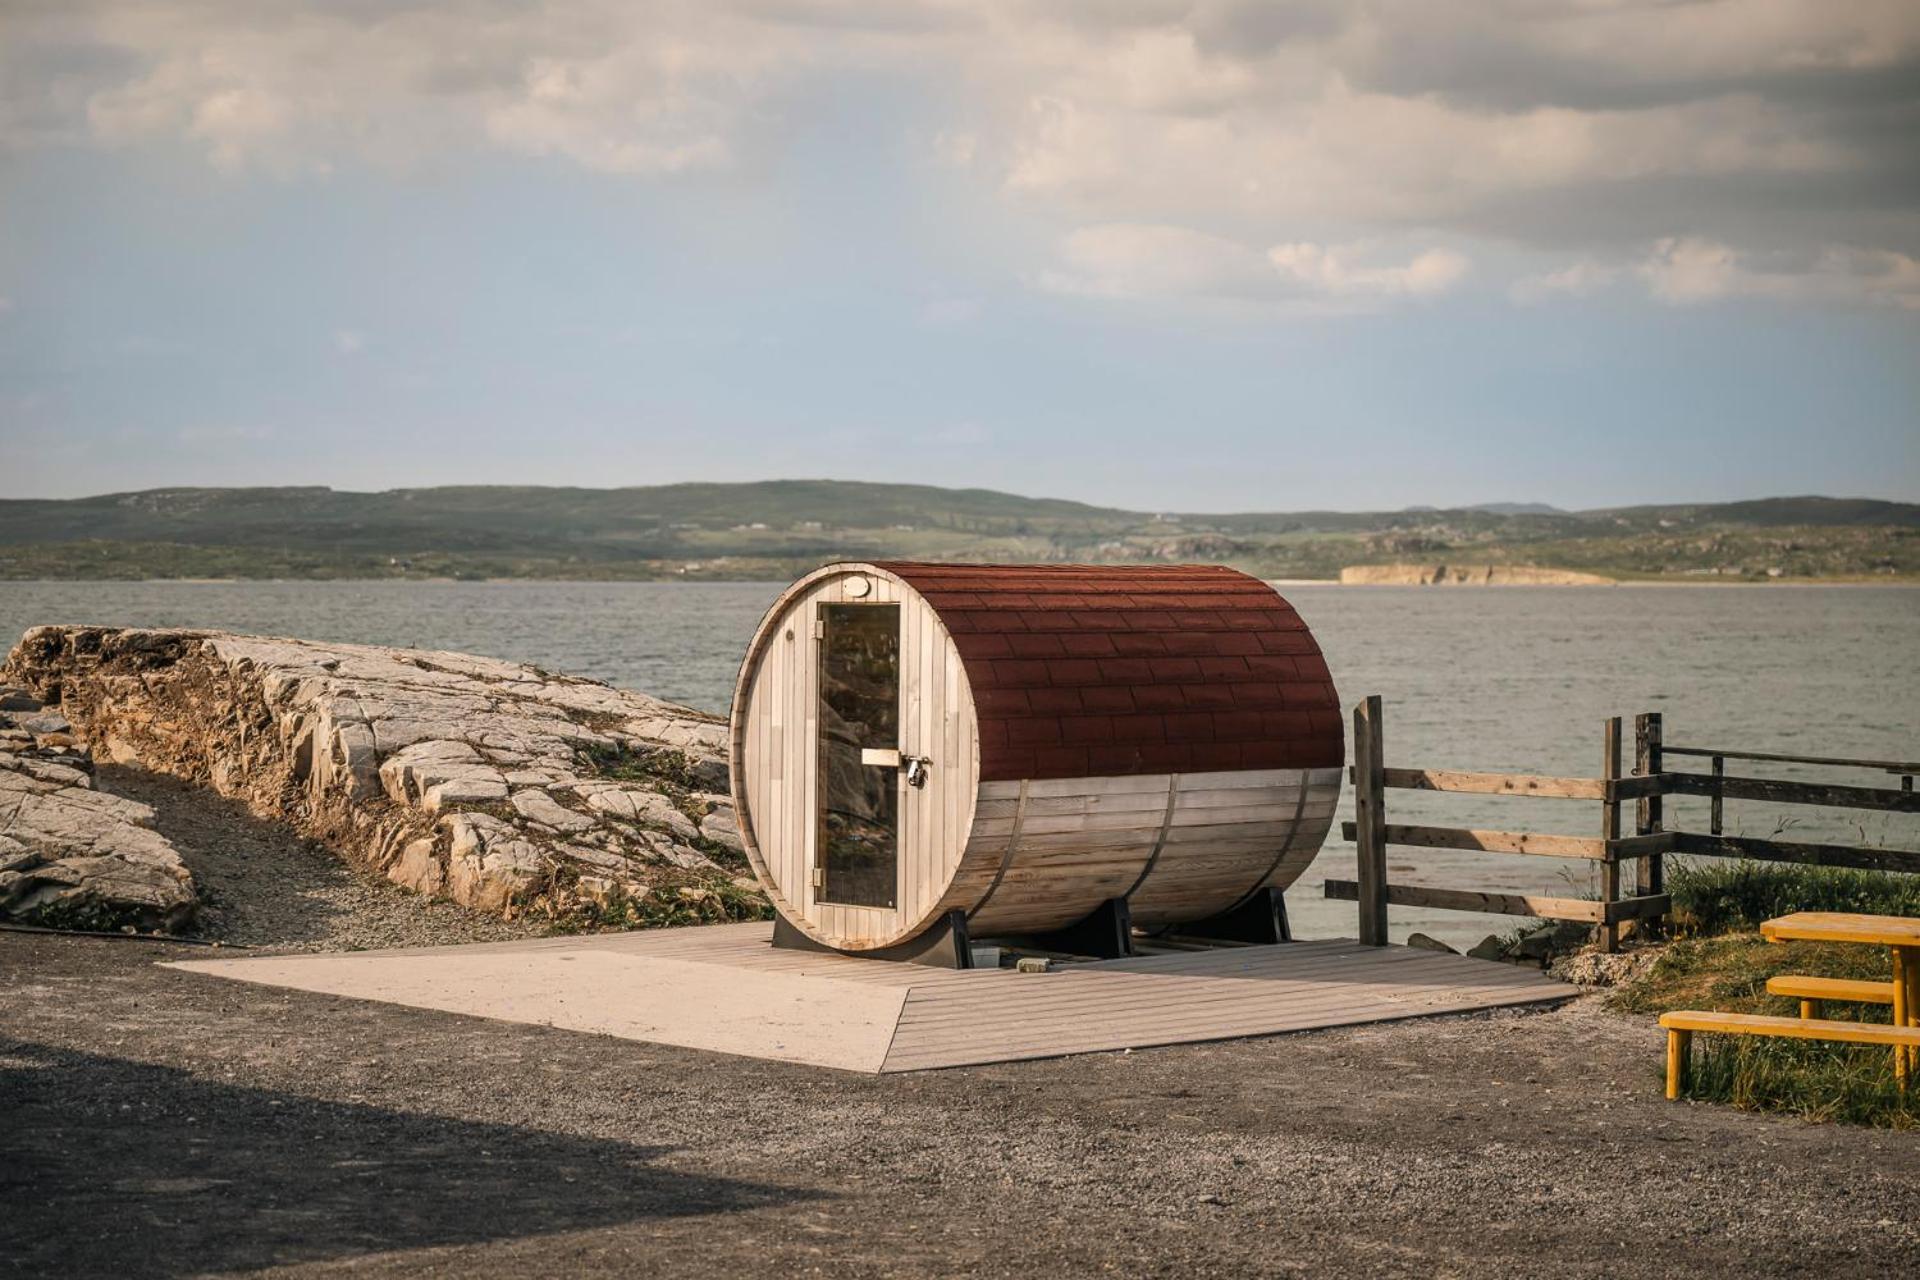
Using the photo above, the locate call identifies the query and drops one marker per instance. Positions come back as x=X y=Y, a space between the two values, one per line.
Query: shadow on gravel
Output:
x=262 y=883
x=259 y=881
x=110 y=1167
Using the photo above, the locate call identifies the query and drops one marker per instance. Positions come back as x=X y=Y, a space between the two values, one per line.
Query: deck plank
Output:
x=880 y=1016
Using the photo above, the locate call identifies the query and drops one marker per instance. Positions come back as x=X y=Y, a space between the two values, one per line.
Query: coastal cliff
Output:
x=497 y=785
x=1466 y=575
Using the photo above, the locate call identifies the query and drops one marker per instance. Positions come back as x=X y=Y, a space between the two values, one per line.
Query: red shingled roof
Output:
x=1095 y=670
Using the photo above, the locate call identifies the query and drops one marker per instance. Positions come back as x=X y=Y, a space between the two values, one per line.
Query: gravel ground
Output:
x=163 y=1124
x=155 y=1123
x=263 y=885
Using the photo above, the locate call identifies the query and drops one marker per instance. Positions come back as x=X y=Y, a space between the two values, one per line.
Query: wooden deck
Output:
x=724 y=988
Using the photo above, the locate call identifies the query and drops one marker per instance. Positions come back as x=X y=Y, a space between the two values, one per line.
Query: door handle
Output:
x=916 y=767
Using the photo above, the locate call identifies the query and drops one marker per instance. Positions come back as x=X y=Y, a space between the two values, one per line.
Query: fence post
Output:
x=1370 y=821
x=1713 y=811
x=1650 y=874
x=1610 y=832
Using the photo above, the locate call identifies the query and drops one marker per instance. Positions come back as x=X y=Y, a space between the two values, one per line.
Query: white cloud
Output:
x=1691 y=270
x=956 y=149
x=301 y=86
x=349 y=342
x=588 y=110
x=1685 y=271
x=1580 y=280
x=1135 y=260
x=6 y=305
x=1330 y=271
x=1765 y=126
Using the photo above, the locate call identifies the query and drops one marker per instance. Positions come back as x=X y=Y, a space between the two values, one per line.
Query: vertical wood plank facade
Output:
x=776 y=755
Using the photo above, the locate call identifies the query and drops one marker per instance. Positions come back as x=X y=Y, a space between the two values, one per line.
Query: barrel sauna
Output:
x=1026 y=744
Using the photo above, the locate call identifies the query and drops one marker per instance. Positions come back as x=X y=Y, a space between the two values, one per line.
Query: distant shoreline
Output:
x=1715 y=583
x=777 y=531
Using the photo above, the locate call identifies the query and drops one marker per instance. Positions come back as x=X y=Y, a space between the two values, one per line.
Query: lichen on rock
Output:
x=493 y=783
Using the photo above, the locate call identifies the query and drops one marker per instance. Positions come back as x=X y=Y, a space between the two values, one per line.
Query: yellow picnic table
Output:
x=1899 y=933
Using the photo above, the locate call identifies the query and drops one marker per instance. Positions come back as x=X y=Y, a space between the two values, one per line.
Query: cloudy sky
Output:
x=1207 y=255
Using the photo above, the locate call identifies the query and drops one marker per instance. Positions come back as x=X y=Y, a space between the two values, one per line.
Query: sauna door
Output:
x=857 y=841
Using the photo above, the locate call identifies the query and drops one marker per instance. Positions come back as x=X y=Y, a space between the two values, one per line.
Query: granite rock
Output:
x=497 y=784
x=74 y=855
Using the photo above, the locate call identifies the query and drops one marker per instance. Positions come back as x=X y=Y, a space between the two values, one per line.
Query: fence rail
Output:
x=1496 y=784
x=1885 y=766
x=1582 y=910
x=1643 y=852
x=1814 y=793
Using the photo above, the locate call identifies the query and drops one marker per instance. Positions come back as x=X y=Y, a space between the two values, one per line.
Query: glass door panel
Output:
x=859 y=844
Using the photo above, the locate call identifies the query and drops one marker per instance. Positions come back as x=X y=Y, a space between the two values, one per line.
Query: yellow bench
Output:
x=1811 y=991
x=1682 y=1023
x=1900 y=934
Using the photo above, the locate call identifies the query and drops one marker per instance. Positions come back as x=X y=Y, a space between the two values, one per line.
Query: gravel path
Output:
x=165 y=1124
x=162 y=1124
x=263 y=885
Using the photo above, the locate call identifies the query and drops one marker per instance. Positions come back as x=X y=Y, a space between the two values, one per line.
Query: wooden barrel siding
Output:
x=1167 y=734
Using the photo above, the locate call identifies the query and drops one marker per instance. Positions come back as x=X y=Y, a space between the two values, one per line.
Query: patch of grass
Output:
x=664 y=766
x=1716 y=896
x=1730 y=973
x=732 y=859
x=1843 y=1083
x=1821 y=1081
x=672 y=774
x=715 y=901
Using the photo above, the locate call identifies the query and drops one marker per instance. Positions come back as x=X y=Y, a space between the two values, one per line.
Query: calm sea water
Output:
x=1513 y=679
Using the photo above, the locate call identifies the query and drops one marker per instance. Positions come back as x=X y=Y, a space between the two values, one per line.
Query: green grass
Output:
x=1821 y=1081
x=1846 y=1084
x=714 y=901
x=668 y=768
x=1730 y=973
x=1722 y=963
x=1716 y=896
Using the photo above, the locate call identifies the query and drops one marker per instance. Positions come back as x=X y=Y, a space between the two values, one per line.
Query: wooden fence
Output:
x=1643 y=852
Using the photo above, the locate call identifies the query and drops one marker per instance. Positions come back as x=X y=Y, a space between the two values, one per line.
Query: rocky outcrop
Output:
x=1537 y=944
x=495 y=784
x=70 y=855
x=1467 y=575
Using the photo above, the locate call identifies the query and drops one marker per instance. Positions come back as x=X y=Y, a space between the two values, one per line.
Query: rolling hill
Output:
x=777 y=528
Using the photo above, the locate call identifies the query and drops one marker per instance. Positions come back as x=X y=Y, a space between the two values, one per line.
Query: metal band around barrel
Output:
x=1286 y=846
x=1159 y=841
x=1013 y=842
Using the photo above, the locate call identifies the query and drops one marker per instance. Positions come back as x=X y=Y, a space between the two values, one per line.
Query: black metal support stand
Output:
x=1106 y=933
x=944 y=946
x=1260 y=919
